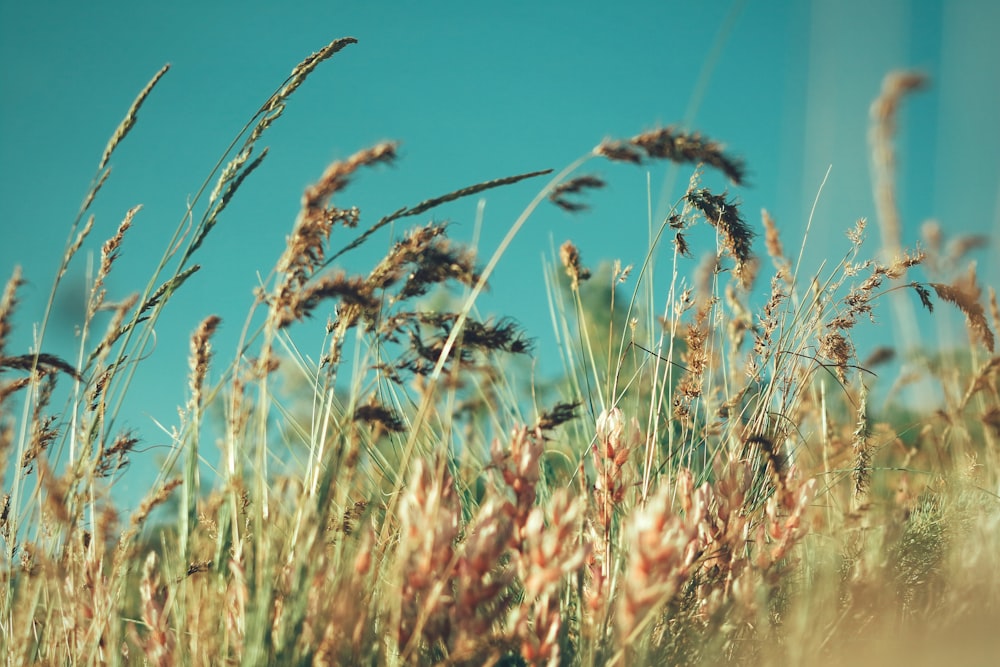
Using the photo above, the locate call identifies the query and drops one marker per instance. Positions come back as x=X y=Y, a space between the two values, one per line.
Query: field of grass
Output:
x=709 y=482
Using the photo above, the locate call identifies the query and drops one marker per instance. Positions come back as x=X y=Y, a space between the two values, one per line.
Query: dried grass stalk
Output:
x=975 y=315
x=570 y=257
x=130 y=118
x=577 y=185
x=109 y=253
x=201 y=355
x=677 y=146
x=725 y=216
x=8 y=304
x=883 y=115
x=336 y=177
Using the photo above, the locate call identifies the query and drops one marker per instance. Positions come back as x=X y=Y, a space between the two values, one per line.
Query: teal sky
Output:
x=473 y=91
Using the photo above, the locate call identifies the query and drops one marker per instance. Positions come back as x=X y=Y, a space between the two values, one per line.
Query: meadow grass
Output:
x=709 y=482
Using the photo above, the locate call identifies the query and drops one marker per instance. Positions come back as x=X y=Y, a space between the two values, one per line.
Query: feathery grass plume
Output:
x=91 y=195
x=502 y=336
x=552 y=549
x=73 y=248
x=576 y=185
x=305 y=250
x=540 y=637
x=236 y=171
x=354 y=293
x=611 y=452
x=429 y=526
x=467 y=191
x=770 y=320
x=160 y=295
x=758 y=444
x=618 y=151
x=613 y=478
x=44 y=428
x=403 y=254
x=994 y=310
x=201 y=355
x=967 y=282
x=115 y=457
x=837 y=348
x=775 y=249
x=856 y=234
x=74 y=244
x=439 y=261
x=966 y=302
x=476 y=337
x=43 y=363
x=879 y=356
x=560 y=414
x=860 y=299
x=306 y=67
x=335 y=178
x=740 y=318
x=432 y=203
x=883 y=115
x=862 y=447
x=783 y=525
x=229 y=182
x=6 y=390
x=8 y=304
x=924 y=294
x=662 y=548
x=381 y=418
x=482 y=585
x=681 y=244
x=230 y=173
x=725 y=216
x=882 y=129
x=518 y=465
x=98 y=357
x=487 y=558
x=552 y=545
x=155 y=498
x=983 y=379
x=677 y=146
x=695 y=360
x=130 y=117
x=109 y=253
x=570 y=257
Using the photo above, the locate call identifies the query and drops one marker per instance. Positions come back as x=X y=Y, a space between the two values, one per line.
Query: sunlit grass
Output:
x=707 y=483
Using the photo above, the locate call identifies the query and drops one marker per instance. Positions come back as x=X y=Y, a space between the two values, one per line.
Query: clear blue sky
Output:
x=473 y=91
